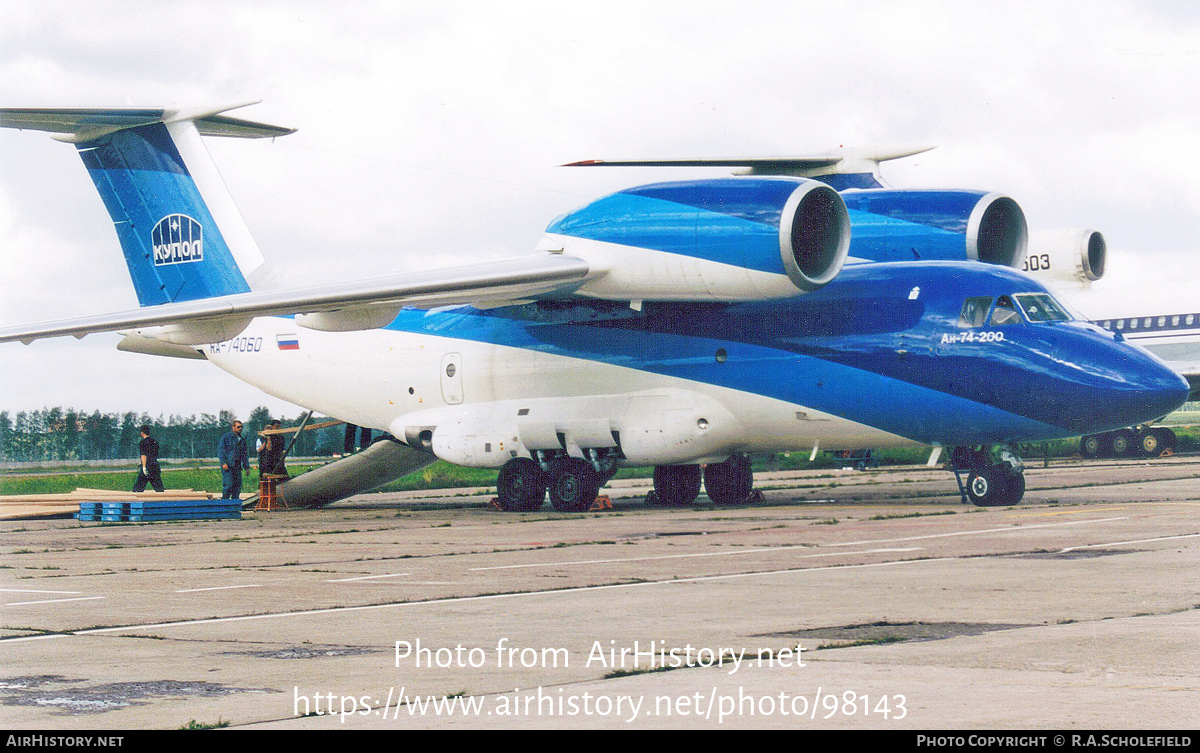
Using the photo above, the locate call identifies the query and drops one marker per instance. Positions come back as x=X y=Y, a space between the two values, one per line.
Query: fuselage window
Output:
x=974 y=312
x=1120 y=324
x=1005 y=312
x=1175 y=321
x=1189 y=319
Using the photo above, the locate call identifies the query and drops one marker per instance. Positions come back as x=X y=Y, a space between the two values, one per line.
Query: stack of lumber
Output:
x=25 y=506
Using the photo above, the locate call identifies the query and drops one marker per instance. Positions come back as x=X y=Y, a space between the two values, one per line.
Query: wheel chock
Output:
x=603 y=502
x=495 y=504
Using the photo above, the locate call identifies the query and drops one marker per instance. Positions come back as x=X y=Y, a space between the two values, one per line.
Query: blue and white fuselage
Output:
x=877 y=358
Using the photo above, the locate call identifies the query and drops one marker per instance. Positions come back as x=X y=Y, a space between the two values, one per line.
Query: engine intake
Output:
x=1067 y=255
x=898 y=225
x=814 y=235
x=731 y=239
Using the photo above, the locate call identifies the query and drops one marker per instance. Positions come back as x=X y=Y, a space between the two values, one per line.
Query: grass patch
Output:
x=200 y=479
x=866 y=642
x=637 y=671
x=193 y=724
x=913 y=515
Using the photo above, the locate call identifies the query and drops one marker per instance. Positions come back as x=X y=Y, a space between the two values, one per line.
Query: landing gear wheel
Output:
x=1091 y=446
x=521 y=485
x=1121 y=443
x=1016 y=488
x=1149 y=443
x=995 y=486
x=676 y=485
x=983 y=487
x=730 y=482
x=573 y=485
x=1166 y=438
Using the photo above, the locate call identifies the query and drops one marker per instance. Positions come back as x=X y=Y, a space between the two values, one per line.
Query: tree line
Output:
x=70 y=434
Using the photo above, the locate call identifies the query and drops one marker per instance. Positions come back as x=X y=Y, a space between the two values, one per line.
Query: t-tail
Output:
x=182 y=236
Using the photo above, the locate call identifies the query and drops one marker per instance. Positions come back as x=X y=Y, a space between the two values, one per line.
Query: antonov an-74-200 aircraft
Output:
x=680 y=325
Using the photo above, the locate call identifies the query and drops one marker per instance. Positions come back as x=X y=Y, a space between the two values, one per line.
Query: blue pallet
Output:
x=137 y=518
x=96 y=507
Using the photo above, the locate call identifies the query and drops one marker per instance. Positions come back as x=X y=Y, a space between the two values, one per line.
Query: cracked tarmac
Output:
x=1080 y=607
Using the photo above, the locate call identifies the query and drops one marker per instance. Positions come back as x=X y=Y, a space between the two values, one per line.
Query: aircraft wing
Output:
x=839 y=161
x=367 y=304
x=761 y=165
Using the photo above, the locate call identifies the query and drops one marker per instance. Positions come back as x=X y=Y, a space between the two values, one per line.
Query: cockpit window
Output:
x=1040 y=307
x=974 y=312
x=1005 y=312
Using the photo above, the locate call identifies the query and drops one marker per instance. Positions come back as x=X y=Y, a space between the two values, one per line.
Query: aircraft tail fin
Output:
x=181 y=233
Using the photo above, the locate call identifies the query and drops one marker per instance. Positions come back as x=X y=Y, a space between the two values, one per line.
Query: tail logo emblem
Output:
x=177 y=239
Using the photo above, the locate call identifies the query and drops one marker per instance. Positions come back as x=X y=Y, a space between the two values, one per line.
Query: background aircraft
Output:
x=1162 y=316
x=680 y=325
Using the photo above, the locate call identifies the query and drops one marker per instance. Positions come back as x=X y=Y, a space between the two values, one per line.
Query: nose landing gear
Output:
x=989 y=483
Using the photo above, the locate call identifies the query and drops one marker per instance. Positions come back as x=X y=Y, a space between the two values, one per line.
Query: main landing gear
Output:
x=728 y=483
x=989 y=483
x=573 y=483
x=675 y=485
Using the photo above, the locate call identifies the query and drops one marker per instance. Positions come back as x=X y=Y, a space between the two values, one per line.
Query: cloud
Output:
x=430 y=134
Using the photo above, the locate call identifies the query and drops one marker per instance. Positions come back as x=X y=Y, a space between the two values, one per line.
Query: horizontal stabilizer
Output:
x=83 y=124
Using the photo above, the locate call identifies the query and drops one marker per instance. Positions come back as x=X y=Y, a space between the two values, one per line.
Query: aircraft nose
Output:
x=1144 y=389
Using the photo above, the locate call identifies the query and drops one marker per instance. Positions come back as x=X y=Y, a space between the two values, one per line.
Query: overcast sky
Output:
x=430 y=133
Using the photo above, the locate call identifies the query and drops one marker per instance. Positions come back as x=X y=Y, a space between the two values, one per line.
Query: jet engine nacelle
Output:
x=731 y=239
x=899 y=225
x=1067 y=255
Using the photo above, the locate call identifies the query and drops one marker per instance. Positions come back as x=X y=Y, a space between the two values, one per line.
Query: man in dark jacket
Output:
x=148 y=471
x=270 y=453
x=234 y=459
